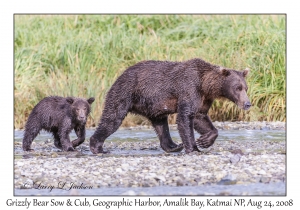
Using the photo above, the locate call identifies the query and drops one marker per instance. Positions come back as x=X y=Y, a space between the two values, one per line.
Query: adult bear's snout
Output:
x=247 y=105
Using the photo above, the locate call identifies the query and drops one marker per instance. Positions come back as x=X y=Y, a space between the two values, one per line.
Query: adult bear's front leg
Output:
x=204 y=126
x=186 y=127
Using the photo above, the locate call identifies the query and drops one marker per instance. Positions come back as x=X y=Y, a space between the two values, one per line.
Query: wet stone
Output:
x=229 y=179
x=179 y=183
x=237 y=151
x=235 y=159
x=265 y=179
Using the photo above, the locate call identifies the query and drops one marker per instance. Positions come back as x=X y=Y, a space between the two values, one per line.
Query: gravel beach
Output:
x=144 y=164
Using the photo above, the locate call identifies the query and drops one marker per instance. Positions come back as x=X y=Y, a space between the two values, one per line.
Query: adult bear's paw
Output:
x=208 y=139
x=96 y=146
x=177 y=148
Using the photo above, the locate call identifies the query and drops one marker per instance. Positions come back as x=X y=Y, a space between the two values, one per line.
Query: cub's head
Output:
x=80 y=108
x=235 y=87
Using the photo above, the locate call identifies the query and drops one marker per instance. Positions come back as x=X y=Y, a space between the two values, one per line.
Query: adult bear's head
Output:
x=234 y=87
x=80 y=108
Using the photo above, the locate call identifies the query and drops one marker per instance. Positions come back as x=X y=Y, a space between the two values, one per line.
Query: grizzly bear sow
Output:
x=59 y=116
x=156 y=89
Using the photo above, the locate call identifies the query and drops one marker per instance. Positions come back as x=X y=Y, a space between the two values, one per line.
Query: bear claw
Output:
x=178 y=148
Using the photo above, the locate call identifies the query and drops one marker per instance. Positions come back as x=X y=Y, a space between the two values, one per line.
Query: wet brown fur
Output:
x=59 y=116
x=156 y=89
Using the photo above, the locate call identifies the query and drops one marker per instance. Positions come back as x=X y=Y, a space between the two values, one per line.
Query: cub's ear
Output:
x=91 y=100
x=246 y=72
x=224 y=72
x=70 y=100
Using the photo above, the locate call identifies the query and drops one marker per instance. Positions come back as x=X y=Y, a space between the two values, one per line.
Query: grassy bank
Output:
x=82 y=55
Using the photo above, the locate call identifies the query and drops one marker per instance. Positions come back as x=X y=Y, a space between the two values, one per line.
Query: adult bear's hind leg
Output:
x=162 y=130
x=113 y=115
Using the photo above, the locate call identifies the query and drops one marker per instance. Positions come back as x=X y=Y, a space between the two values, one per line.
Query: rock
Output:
x=237 y=151
x=162 y=178
x=125 y=166
x=248 y=172
x=20 y=163
x=265 y=179
x=229 y=179
x=47 y=141
x=179 y=182
x=96 y=173
x=27 y=156
x=54 y=155
x=85 y=148
x=235 y=159
x=146 y=184
x=193 y=153
x=262 y=172
x=152 y=175
x=226 y=127
x=119 y=170
x=225 y=193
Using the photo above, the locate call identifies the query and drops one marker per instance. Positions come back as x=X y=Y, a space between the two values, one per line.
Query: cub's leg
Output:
x=57 y=142
x=80 y=132
x=63 y=133
x=32 y=129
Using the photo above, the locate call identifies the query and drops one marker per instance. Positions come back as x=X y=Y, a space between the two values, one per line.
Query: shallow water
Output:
x=148 y=135
x=128 y=135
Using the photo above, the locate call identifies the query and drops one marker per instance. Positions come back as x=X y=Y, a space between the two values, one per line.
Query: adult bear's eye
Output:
x=239 y=88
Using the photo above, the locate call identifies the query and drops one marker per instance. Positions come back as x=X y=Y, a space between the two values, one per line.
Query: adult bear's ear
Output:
x=91 y=100
x=70 y=100
x=246 y=72
x=224 y=72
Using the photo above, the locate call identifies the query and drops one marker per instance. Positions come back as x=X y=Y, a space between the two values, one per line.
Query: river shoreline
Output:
x=139 y=165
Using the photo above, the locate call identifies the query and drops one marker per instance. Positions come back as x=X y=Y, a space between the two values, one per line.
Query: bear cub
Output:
x=58 y=115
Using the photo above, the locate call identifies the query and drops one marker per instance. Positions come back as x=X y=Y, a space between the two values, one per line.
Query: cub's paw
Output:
x=70 y=149
x=28 y=150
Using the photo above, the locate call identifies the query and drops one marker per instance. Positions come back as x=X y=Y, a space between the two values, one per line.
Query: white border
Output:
x=154 y=6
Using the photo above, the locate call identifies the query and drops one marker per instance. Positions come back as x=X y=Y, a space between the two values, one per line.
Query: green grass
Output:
x=82 y=55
